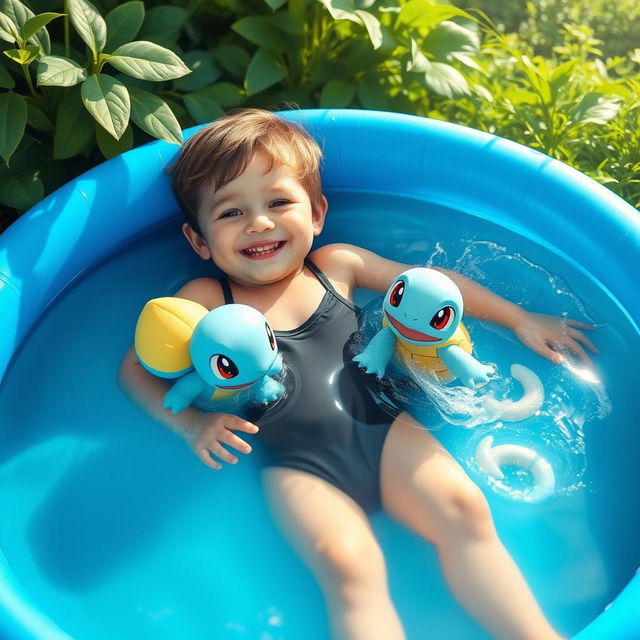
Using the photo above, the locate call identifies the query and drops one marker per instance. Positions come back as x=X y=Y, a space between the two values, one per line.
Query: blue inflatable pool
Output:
x=111 y=528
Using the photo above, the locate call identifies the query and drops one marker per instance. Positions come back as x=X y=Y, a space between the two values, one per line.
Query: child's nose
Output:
x=259 y=223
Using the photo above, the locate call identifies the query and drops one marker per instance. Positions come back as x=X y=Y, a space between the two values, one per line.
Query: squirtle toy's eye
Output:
x=395 y=298
x=272 y=338
x=443 y=319
x=223 y=367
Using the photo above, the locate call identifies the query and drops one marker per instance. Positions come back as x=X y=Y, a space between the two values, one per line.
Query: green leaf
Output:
x=148 y=61
x=337 y=94
x=38 y=119
x=33 y=25
x=163 y=23
x=418 y=62
x=341 y=10
x=596 y=108
x=123 y=24
x=288 y=25
x=28 y=155
x=561 y=76
x=18 y=13
x=261 y=30
x=23 y=56
x=8 y=29
x=107 y=100
x=179 y=111
x=449 y=39
x=153 y=115
x=109 y=146
x=537 y=80
x=89 y=24
x=202 y=108
x=275 y=4
x=6 y=81
x=264 y=71
x=225 y=94
x=372 y=94
x=13 y=119
x=21 y=190
x=446 y=81
x=425 y=14
x=204 y=71
x=233 y=59
x=372 y=24
x=517 y=96
x=59 y=72
x=75 y=128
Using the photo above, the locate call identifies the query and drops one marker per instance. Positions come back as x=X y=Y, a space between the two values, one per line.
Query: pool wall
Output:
x=482 y=175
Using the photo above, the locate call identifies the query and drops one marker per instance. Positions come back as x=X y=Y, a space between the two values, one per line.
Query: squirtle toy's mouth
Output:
x=410 y=334
x=237 y=386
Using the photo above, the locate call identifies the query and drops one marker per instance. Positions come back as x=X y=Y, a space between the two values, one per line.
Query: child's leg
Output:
x=334 y=538
x=425 y=488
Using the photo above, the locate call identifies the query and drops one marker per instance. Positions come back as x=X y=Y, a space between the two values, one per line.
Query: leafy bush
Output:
x=572 y=105
x=76 y=87
x=64 y=105
x=615 y=24
x=60 y=102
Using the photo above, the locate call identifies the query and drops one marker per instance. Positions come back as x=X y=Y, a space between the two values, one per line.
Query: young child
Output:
x=250 y=188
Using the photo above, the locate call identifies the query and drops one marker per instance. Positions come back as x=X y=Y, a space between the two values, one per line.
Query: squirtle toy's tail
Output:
x=230 y=351
x=422 y=314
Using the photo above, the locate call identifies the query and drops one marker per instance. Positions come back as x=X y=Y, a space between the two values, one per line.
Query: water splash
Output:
x=557 y=431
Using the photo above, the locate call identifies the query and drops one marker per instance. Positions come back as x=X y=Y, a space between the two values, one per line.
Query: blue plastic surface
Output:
x=481 y=175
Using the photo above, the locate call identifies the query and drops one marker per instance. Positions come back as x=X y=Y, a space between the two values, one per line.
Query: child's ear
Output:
x=197 y=242
x=318 y=214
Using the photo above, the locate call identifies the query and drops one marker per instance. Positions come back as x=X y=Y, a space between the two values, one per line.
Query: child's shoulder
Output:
x=206 y=291
x=336 y=261
x=341 y=260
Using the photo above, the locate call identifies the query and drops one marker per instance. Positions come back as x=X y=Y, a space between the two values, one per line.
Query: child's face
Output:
x=259 y=227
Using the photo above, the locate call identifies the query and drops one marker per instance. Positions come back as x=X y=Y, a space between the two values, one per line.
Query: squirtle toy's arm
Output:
x=464 y=366
x=378 y=353
x=267 y=389
x=184 y=392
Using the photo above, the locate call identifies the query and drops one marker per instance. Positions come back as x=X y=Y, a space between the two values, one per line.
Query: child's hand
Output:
x=218 y=431
x=550 y=336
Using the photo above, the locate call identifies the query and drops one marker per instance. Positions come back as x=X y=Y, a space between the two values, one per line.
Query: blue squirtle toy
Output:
x=422 y=326
x=220 y=356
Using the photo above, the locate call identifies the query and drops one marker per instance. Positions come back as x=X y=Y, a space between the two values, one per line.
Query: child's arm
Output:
x=206 y=433
x=543 y=334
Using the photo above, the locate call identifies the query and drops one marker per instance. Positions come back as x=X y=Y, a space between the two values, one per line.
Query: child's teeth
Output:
x=270 y=247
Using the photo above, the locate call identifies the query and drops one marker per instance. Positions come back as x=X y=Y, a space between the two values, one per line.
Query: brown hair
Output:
x=220 y=152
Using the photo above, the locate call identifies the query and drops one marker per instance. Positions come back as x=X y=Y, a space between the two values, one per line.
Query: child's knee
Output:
x=465 y=511
x=352 y=560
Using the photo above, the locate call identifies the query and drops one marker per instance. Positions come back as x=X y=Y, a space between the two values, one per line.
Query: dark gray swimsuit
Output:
x=328 y=423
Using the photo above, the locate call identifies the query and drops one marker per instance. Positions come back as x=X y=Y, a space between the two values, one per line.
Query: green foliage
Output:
x=615 y=24
x=572 y=105
x=70 y=104
x=85 y=82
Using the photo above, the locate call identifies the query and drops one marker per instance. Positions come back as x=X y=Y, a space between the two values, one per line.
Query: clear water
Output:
x=118 y=531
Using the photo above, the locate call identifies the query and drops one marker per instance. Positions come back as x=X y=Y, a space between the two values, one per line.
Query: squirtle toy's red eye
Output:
x=270 y=336
x=396 y=293
x=443 y=319
x=223 y=367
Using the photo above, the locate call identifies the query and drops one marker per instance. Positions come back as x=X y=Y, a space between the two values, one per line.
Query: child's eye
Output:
x=231 y=213
x=279 y=203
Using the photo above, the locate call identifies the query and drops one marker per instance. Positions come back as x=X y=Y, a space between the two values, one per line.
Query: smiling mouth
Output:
x=237 y=386
x=411 y=334
x=264 y=251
